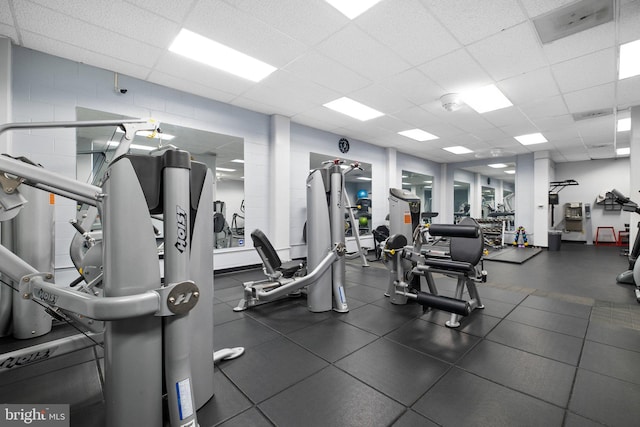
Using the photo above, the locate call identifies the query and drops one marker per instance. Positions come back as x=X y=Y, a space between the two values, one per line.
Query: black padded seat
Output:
x=270 y=257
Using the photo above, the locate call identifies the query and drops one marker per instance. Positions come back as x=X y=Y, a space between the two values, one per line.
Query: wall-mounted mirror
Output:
x=421 y=185
x=358 y=192
x=223 y=154
x=488 y=201
x=461 y=205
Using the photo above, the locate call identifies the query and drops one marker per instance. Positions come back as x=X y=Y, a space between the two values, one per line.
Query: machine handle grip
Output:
x=78 y=227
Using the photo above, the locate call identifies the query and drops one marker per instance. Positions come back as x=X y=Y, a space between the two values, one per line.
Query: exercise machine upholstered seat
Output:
x=272 y=262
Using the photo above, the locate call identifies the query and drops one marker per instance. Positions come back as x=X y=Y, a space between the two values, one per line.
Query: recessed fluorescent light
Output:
x=530 y=139
x=237 y=161
x=486 y=98
x=497 y=165
x=406 y=184
x=629 y=60
x=225 y=170
x=458 y=150
x=418 y=135
x=427 y=182
x=363 y=178
x=623 y=151
x=510 y=171
x=140 y=147
x=216 y=55
x=150 y=134
x=405 y=176
x=624 y=124
x=351 y=8
x=353 y=109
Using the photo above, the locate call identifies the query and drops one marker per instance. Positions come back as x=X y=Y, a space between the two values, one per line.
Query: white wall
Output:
x=594 y=177
x=47 y=88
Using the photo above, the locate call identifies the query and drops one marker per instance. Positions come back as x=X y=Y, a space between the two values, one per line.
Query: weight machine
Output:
x=154 y=328
x=325 y=250
x=630 y=276
x=411 y=262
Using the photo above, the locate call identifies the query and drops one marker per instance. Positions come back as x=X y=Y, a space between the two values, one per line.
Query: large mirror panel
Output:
x=223 y=154
x=461 y=204
x=421 y=185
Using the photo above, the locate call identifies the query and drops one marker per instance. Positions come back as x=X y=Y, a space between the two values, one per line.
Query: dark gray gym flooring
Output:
x=558 y=344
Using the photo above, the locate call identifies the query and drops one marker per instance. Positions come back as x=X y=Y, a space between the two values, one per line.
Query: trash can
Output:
x=555 y=239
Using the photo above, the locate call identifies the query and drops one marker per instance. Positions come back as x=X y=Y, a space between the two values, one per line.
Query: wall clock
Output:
x=343 y=145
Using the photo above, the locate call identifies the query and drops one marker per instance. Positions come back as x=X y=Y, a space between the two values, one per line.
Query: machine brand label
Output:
x=47 y=297
x=181 y=224
x=11 y=362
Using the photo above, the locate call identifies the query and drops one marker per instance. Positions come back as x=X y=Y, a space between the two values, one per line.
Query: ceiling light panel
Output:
x=353 y=109
x=624 y=124
x=352 y=9
x=623 y=151
x=418 y=135
x=530 y=139
x=629 y=60
x=485 y=99
x=458 y=149
x=497 y=165
x=217 y=55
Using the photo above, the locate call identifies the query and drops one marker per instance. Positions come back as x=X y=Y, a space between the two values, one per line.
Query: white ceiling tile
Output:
x=560 y=125
x=629 y=22
x=505 y=116
x=547 y=107
x=227 y=25
x=456 y=72
x=309 y=24
x=409 y=29
x=414 y=86
x=40 y=20
x=304 y=89
x=468 y=120
x=5 y=14
x=175 y=10
x=509 y=53
x=254 y=105
x=189 y=86
x=579 y=44
x=285 y=102
x=179 y=66
x=120 y=17
x=593 y=98
x=535 y=8
x=381 y=99
x=473 y=20
x=78 y=54
x=529 y=86
x=362 y=54
x=327 y=72
x=590 y=70
x=629 y=92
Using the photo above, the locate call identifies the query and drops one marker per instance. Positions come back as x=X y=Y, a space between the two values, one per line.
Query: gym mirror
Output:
x=223 y=154
x=488 y=201
x=358 y=192
x=421 y=185
x=461 y=206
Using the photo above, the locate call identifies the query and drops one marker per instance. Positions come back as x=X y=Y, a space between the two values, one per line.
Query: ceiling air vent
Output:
x=585 y=115
x=573 y=18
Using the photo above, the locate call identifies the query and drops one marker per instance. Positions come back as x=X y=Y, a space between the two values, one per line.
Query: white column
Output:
x=475 y=196
x=524 y=196
x=445 y=195
x=541 y=174
x=634 y=166
x=280 y=183
x=5 y=92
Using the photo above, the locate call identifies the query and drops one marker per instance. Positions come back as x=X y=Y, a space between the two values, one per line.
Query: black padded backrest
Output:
x=264 y=247
x=218 y=222
x=467 y=249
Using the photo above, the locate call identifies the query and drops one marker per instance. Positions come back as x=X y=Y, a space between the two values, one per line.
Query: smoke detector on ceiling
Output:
x=451 y=101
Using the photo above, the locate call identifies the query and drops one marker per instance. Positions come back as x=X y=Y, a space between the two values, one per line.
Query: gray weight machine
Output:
x=408 y=263
x=325 y=251
x=154 y=330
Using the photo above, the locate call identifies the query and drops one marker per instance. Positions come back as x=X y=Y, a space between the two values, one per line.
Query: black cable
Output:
x=57 y=315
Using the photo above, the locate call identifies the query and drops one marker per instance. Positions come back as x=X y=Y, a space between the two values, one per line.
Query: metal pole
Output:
x=336 y=210
x=178 y=329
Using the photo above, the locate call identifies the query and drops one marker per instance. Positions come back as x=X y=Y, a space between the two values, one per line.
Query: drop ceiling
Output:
x=399 y=58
